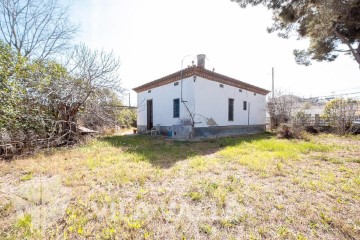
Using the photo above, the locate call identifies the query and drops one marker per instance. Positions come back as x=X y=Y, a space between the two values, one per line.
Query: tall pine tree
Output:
x=332 y=26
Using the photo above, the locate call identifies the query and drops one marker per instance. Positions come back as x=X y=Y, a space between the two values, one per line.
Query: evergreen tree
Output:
x=332 y=26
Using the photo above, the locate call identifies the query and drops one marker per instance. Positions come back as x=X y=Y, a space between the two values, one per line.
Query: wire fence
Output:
x=352 y=124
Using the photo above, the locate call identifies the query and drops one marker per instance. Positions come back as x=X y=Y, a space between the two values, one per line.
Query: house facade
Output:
x=196 y=102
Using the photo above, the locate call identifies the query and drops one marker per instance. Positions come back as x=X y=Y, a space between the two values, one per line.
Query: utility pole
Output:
x=273 y=94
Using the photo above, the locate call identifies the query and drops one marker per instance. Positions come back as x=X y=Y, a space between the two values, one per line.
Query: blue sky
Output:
x=152 y=37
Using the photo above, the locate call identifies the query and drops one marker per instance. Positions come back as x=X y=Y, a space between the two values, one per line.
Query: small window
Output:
x=149 y=91
x=254 y=94
x=176 y=108
x=245 y=105
x=240 y=90
x=176 y=83
x=221 y=85
x=231 y=109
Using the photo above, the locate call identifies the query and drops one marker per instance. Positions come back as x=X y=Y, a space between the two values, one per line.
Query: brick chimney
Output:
x=201 y=60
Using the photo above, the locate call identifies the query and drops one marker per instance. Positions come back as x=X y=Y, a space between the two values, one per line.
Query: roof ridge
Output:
x=201 y=72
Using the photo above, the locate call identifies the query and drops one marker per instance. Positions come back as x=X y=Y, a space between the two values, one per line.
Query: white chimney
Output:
x=201 y=60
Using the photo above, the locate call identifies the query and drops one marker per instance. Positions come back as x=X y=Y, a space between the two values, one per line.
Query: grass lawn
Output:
x=141 y=187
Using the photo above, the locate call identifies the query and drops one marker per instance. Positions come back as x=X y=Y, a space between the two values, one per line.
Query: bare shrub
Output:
x=311 y=129
x=280 y=108
x=341 y=113
x=291 y=131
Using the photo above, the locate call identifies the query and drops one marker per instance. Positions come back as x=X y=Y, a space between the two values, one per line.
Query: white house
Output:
x=196 y=102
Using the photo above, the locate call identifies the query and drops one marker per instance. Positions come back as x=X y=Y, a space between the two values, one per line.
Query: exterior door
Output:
x=149 y=110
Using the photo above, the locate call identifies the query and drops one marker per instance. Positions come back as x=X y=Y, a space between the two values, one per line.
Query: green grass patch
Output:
x=27 y=177
x=24 y=226
x=268 y=155
x=195 y=196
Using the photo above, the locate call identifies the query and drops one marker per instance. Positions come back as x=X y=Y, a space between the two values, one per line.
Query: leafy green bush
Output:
x=127 y=117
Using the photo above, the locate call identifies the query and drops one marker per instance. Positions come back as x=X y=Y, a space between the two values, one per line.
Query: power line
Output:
x=347 y=89
x=335 y=95
x=336 y=91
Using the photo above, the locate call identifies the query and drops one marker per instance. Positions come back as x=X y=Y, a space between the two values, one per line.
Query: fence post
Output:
x=317 y=120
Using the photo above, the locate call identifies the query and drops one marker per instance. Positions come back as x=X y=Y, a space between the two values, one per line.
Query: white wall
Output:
x=206 y=100
x=163 y=97
x=212 y=103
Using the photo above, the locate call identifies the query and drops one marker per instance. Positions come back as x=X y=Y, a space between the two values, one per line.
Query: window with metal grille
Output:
x=176 y=108
x=245 y=105
x=231 y=109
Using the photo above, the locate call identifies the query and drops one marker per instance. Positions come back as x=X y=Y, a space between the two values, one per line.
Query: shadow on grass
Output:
x=164 y=153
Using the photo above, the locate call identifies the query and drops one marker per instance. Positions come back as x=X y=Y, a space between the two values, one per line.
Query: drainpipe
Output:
x=181 y=93
x=249 y=114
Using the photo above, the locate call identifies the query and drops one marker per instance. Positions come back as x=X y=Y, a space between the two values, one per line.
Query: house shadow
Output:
x=164 y=153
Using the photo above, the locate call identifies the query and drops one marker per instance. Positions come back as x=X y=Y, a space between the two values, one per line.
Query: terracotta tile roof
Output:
x=200 y=72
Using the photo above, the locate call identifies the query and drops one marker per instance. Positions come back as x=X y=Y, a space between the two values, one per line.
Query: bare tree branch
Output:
x=35 y=28
x=347 y=43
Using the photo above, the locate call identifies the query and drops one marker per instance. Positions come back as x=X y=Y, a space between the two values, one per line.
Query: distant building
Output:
x=315 y=106
x=196 y=102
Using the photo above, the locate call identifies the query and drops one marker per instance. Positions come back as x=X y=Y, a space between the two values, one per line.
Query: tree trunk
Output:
x=354 y=52
x=68 y=117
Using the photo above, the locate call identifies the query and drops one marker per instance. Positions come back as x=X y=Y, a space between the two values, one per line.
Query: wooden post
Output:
x=317 y=120
x=272 y=74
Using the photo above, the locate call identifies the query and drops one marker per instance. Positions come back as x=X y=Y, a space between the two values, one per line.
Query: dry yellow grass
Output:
x=138 y=187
